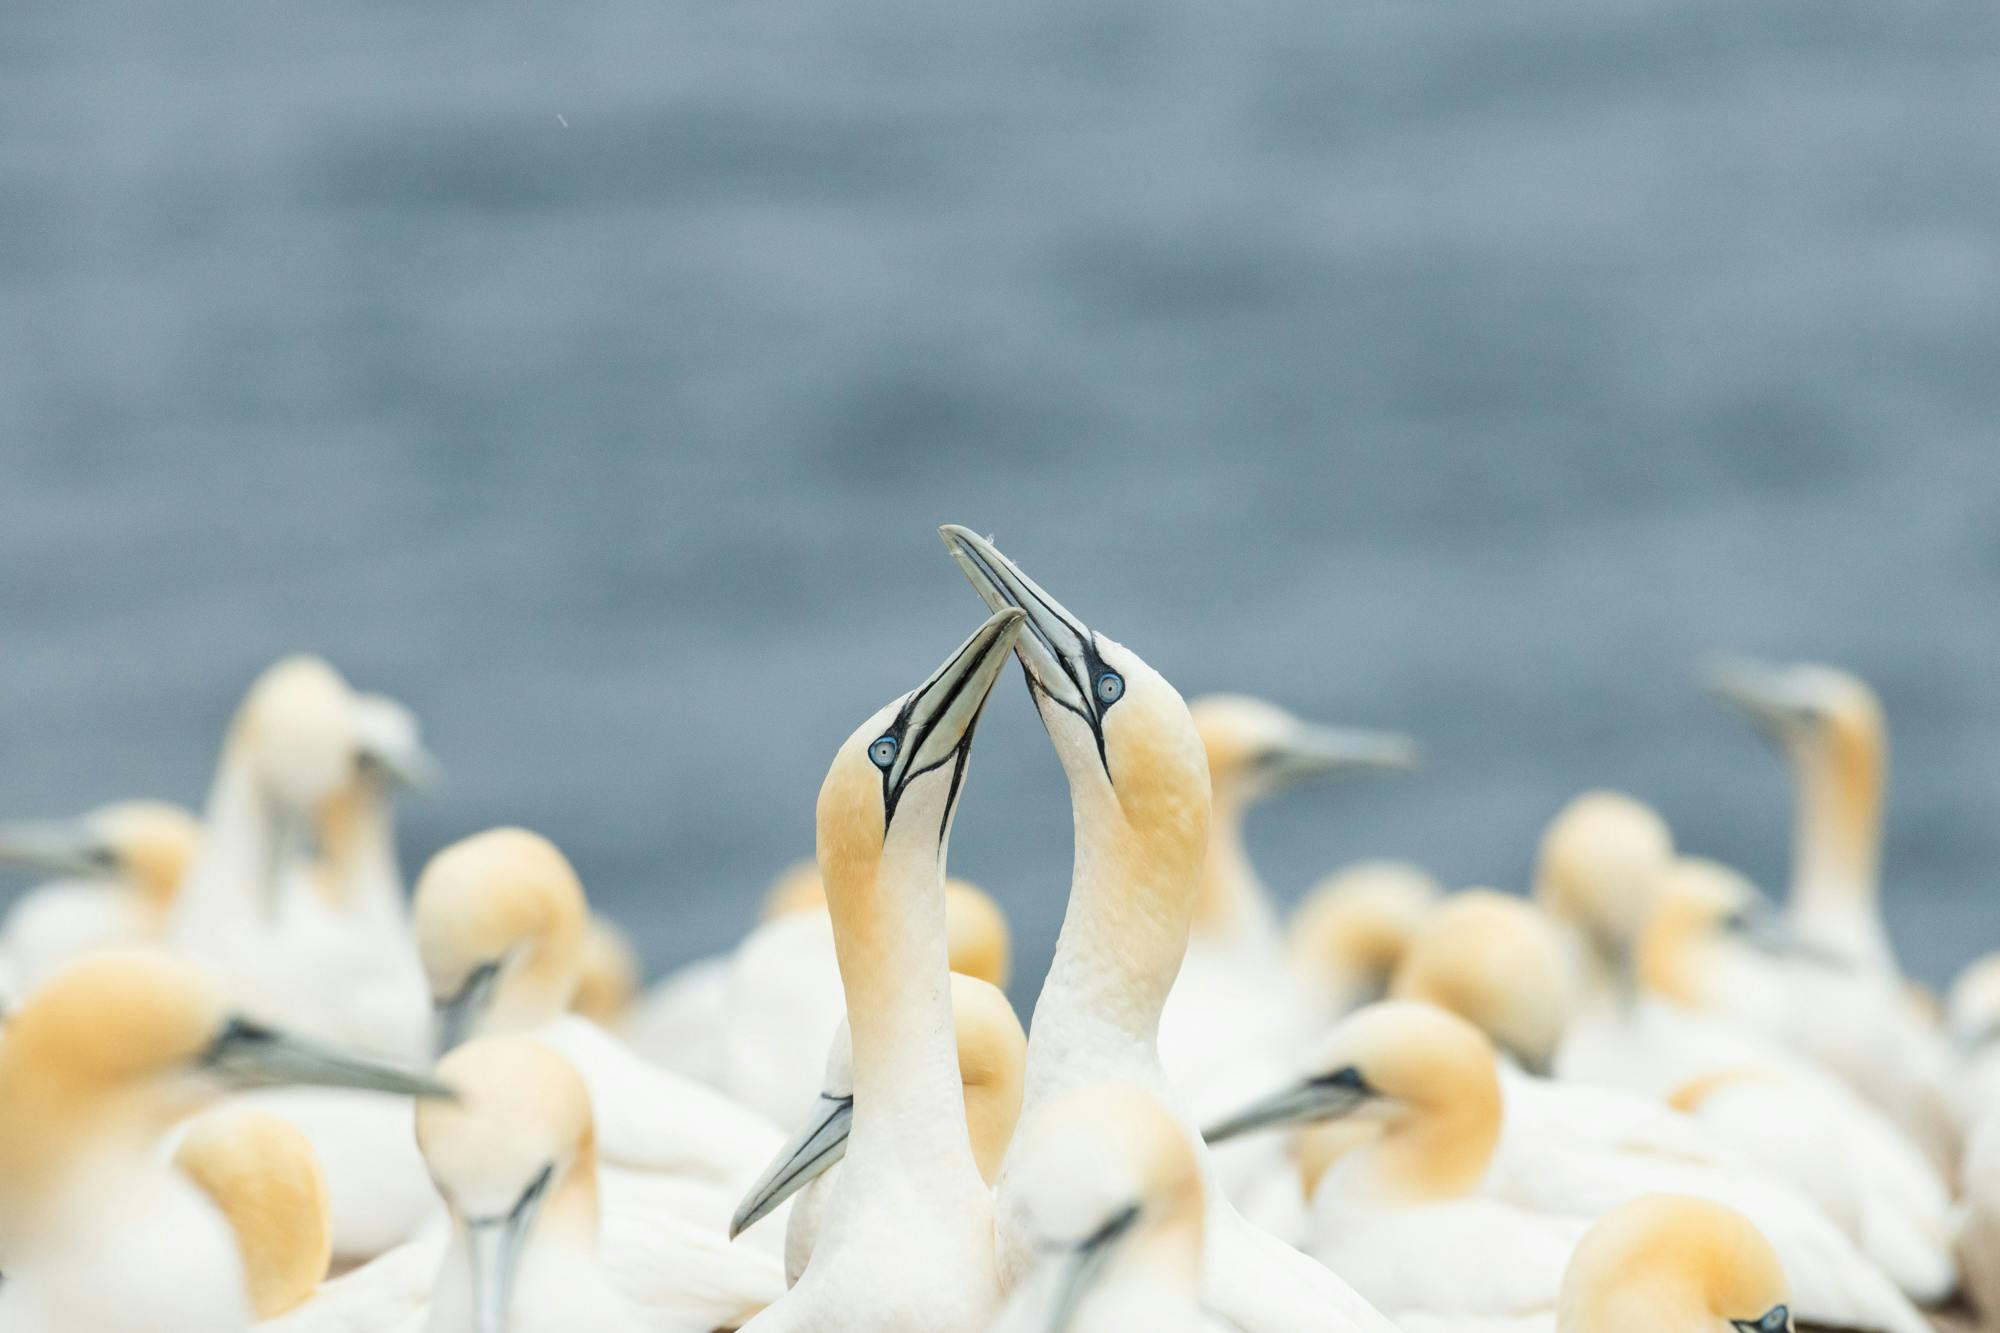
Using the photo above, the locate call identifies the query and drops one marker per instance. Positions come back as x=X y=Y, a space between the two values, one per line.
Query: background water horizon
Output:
x=592 y=379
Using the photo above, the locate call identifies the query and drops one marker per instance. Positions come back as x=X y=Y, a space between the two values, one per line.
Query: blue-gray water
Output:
x=592 y=375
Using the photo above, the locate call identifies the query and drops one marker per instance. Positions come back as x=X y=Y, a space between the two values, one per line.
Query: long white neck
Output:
x=232 y=879
x=1836 y=874
x=359 y=842
x=1123 y=937
x=909 y=1148
x=1234 y=908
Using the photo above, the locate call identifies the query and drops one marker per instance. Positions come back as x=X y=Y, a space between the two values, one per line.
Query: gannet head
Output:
x=499 y=920
x=1111 y=1190
x=1352 y=927
x=894 y=784
x=123 y=1043
x=1428 y=1076
x=1817 y=714
x=608 y=977
x=1666 y=1263
x=518 y=1139
x=1704 y=910
x=264 y=1178
x=1123 y=734
x=992 y=1055
x=1257 y=748
x=145 y=844
x=1496 y=961
x=1598 y=868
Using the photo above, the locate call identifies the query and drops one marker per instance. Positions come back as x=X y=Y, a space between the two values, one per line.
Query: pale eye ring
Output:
x=883 y=751
x=1110 y=687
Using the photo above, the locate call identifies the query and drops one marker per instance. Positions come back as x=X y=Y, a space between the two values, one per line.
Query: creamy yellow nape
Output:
x=1666 y=1263
x=505 y=897
x=1675 y=948
x=1317 y=1149
x=97 y=1061
x=992 y=1053
x=152 y=843
x=1438 y=1100
x=1496 y=961
x=1597 y=870
x=264 y=1178
x=1351 y=928
x=609 y=976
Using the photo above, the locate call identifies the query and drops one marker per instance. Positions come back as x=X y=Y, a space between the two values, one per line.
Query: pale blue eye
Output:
x=883 y=751
x=1110 y=687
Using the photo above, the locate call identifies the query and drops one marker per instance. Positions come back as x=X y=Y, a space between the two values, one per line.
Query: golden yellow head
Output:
x=1599 y=866
x=1352 y=927
x=116 y=1017
x=298 y=729
x=1256 y=748
x=1667 y=1263
x=499 y=919
x=151 y=842
x=609 y=978
x=976 y=932
x=262 y=1174
x=1698 y=899
x=992 y=1057
x=1094 y=1154
x=1496 y=961
x=521 y=1122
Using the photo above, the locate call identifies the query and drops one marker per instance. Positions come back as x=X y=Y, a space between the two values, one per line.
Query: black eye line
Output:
x=893 y=794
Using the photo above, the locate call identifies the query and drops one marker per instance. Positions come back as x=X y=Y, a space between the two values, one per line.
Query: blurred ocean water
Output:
x=592 y=376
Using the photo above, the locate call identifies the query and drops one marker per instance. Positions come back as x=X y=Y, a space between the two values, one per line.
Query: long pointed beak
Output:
x=410 y=766
x=495 y=1245
x=57 y=847
x=938 y=717
x=1760 y=692
x=1306 y=1102
x=252 y=1055
x=1315 y=752
x=454 y=1017
x=1054 y=645
x=1070 y=1271
x=820 y=1143
x=390 y=743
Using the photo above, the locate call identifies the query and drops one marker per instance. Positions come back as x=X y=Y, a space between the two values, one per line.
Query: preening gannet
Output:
x=906 y=1245
x=1669 y=1264
x=992 y=1050
x=97 y=1067
x=1139 y=791
x=121 y=867
x=608 y=979
x=1441 y=1215
x=515 y=1158
x=262 y=1175
x=1114 y=1195
x=1348 y=933
x=500 y=920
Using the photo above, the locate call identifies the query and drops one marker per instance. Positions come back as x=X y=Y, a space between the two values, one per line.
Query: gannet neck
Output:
x=1232 y=903
x=359 y=871
x=242 y=850
x=1838 y=838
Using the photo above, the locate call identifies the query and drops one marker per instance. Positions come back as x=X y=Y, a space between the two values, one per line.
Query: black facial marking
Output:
x=1347 y=1077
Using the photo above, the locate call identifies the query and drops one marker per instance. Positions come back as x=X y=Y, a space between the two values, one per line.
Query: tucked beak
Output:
x=815 y=1148
x=1769 y=933
x=454 y=1016
x=251 y=1055
x=1315 y=752
x=1069 y=1271
x=1777 y=1319
x=495 y=1245
x=1056 y=649
x=57 y=847
x=1306 y=1102
x=1761 y=692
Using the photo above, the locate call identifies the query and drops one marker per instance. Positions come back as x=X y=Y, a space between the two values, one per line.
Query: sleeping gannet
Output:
x=992 y=1050
x=1139 y=791
x=608 y=979
x=500 y=920
x=262 y=1175
x=1114 y=1194
x=1349 y=931
x=1440 y=1215
x=906 y=1245
x=1670 y=1264
x=121 y=867
x=96 y=1069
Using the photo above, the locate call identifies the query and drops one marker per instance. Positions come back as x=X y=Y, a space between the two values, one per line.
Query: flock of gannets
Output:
x=1641 y=1099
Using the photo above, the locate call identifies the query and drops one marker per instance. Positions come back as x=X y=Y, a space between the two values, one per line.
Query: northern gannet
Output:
x=1440 y=1214
x=1349 y=931
x=1114 y=1195
x=992 y=1050
x=907 y=1241
x=1139 y=792
x=96 y=1069
x=121 y=867
x=608 y=980
x=1670 y=1264
x=262 y=1175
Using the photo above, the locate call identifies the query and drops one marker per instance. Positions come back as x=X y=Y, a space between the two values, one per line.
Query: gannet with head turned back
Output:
x=907 y=1241
x=96 y=1068
x=992 y=1050
x=608 y=980
x=121 y=867
x=1349 y=931
x=1140 y=797
x=1670 y=1264
x=500 y=920
x=1114 y=1193
x=1441 y=1214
